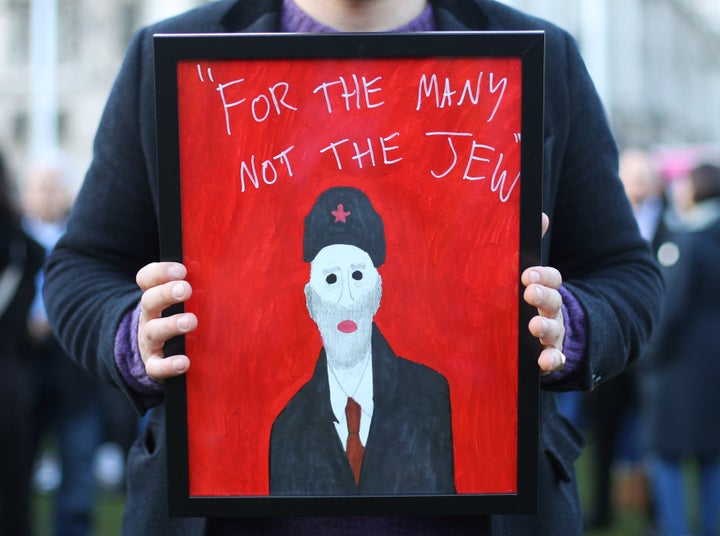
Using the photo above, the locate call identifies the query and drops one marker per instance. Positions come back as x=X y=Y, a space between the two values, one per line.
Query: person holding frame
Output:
x=596 y=300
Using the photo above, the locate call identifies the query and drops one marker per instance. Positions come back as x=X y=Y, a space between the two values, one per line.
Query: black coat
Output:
x=678 y=374
x=409 y=448
x=593 y=240
x=16 y=384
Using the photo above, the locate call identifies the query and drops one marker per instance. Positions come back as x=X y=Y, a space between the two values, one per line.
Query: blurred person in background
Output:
x=66 y=403
x=618 y=475
x=679 y=418
x=645 y=190
x=20 y=259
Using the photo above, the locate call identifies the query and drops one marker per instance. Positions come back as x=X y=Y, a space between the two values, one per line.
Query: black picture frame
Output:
x=528 y=47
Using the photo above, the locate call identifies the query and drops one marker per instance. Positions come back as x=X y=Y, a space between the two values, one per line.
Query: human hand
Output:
x=541 y=284
x=163 y=284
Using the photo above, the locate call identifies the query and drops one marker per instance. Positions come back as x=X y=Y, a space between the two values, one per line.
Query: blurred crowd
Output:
x=65 y=433
x=651 y=427
x=655 y=429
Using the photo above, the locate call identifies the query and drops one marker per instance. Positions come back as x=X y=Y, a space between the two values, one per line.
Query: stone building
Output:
x=54 y=95
x=656 y=64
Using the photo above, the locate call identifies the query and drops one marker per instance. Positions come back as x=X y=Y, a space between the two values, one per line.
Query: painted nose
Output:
x=346 y=299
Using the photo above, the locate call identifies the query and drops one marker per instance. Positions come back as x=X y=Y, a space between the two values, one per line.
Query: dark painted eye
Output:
x=332 y=278
x=357 y=275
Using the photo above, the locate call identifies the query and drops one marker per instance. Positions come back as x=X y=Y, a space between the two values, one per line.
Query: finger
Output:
x=545 y=223
x=550 y=332
x=152 y=338
x=156 y=332
x=159 y=368
x=158 y=298
x=157 y=273
x=551 y=360
x=548 y=301
x=542 y=275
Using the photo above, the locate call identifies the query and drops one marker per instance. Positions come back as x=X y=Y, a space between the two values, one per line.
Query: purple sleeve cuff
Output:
x=128 y=360
x=575 y=340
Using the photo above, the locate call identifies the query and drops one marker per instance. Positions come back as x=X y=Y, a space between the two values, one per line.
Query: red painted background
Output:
x=450 y=289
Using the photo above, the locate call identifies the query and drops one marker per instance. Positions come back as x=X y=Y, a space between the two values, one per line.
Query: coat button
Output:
x=668 y=254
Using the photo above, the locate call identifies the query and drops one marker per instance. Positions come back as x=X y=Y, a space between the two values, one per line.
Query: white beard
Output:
x=344 y=350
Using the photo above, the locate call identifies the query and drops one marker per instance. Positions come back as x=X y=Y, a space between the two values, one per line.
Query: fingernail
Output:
x=176 y=271
x=179 y=365
x=544 y=328
x=539 y=293
x=182 y=323
x=178 y=291
x=534 y=276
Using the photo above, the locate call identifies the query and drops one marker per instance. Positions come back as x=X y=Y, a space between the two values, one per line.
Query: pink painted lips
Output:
x=347 y=326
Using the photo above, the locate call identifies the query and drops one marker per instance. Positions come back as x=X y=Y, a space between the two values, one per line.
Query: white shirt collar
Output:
x=363 y=395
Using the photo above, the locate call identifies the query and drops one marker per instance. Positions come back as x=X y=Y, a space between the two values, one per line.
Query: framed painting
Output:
x=355 y=211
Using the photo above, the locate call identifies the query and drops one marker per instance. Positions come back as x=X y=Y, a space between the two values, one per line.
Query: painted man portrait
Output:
x=367 y=421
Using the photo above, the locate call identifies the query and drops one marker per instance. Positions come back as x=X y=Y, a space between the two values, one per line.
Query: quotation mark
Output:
x=209 y=74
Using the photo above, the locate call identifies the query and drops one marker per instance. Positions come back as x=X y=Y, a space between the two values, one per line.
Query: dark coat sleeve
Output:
x=112 y=231
x=593 y=239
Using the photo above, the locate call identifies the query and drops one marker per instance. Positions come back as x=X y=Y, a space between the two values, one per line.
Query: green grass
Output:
x=627 y=522
x=106 y=520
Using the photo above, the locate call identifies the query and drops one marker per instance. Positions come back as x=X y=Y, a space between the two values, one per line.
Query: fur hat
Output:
x=344 y=215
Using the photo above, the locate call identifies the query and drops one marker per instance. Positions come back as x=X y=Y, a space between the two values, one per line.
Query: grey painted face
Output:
x=342 y=296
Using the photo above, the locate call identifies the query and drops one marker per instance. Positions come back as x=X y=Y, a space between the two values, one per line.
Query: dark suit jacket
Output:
x=593 y=240
x=409 y=448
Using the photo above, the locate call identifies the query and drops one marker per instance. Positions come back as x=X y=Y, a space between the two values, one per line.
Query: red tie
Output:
x=354 y=447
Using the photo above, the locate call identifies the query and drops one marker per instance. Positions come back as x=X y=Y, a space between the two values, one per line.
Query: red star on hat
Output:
x=340 y=214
